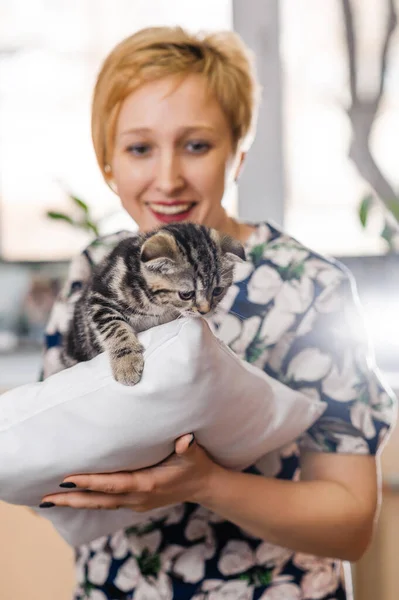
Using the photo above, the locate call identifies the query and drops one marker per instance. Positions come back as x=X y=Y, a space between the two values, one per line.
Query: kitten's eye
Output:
x=187 y=295
x=217 y=291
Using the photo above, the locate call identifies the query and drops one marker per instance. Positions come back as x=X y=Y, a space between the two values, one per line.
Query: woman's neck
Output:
x=237 y=230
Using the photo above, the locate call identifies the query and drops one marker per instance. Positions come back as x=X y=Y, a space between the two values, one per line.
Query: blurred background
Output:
x=324 y=165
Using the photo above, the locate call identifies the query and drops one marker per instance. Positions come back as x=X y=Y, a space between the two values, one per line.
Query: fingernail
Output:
x=68 y=484
x=46 y=505
x=192 y=440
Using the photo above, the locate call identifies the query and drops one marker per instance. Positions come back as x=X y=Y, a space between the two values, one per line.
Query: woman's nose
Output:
x=169 y=178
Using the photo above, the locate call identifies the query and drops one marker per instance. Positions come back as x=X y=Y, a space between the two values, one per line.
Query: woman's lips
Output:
x=169 y=213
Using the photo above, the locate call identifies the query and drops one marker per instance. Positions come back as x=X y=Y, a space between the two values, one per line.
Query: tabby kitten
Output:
x=146 y=280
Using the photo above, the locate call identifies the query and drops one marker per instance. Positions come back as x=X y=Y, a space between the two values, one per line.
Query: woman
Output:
x=172 y=116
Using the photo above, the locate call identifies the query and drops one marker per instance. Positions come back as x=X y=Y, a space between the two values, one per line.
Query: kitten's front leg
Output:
x=126 y=354
x=117 y=337
x=124 y=349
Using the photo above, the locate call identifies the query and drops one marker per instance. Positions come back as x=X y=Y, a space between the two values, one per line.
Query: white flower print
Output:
x=361 y=416
x=264 y=285
x=292 y=298
x=340 y=384
x=309 y=365
x=271 y=555
x=98 y=568
x=169 y=554
x=119 y=544
x=283 y=591
x=319 y=583
x=232 y=590
x=175 y=514
x=152 y=588
x=190 y=565
x=236 y=557
x=149 y=541
x=348 y=444
x=295 y=296
x=279 y=351
x=60 y=317
x=230 y=330
x=275 y=325
x=199 y=528
x=216 y=319
x=311 y=393
x=128 y=575
x=307 y=322
x=308 y=562
x=330 y=301
x=210 y=584
x=242 y=271
x=80 y=570
x=321 y=271
x=97 y=595
x=259 y=236
x=249 y=330
x=283 y=254
x=98 y=544
x=384 y=407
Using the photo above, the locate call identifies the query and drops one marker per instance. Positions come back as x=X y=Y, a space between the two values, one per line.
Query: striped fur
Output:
x=146 y=280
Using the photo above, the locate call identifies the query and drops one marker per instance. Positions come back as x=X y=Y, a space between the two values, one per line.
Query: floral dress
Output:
x=294 y=314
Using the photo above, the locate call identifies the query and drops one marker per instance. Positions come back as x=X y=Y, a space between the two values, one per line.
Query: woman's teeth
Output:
x=170 y=209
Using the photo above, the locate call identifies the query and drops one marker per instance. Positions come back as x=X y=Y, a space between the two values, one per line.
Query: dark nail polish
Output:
x=46 y=505
x=68 y=484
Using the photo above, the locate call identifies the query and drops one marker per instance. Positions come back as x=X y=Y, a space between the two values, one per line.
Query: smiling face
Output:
x=173 y=154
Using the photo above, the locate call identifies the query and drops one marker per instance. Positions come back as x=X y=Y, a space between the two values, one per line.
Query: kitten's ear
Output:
x=160 y=252
x=232 y=248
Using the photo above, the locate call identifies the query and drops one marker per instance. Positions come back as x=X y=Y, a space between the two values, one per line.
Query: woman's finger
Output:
x=183 y=443
x=122 y=482
x=88 y=500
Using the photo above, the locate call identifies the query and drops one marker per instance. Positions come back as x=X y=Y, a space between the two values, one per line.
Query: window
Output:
x=324 y=187
x=50 y=53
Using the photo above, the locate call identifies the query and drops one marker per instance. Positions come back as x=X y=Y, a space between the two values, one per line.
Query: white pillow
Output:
x=81 y=420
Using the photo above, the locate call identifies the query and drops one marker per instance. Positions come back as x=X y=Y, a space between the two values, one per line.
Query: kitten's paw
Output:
x=128 y=369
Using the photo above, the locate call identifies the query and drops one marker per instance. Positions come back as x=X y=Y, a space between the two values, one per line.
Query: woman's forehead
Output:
x=171 y=103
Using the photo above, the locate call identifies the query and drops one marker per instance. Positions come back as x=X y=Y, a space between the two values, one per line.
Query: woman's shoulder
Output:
x=103 y=245
x=272 y=247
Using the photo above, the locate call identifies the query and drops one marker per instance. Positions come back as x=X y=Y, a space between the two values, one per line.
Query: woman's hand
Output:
x=186 y=476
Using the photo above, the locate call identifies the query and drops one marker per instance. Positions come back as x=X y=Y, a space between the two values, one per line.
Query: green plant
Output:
x=82 y=220
x=390 y=218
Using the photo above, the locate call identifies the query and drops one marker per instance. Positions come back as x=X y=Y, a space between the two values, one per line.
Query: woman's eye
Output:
x=139 y=149
x=187 y=295
x=198 y=147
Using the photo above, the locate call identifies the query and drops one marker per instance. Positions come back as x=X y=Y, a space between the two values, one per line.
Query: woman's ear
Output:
x=109 y=178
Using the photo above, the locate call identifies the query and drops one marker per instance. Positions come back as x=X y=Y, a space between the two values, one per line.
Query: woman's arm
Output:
x=330 y=512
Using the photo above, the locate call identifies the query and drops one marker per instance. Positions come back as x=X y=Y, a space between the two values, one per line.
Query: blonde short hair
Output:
x=156 y=52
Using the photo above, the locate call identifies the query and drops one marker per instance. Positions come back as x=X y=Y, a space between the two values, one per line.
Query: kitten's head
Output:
x=189 y=267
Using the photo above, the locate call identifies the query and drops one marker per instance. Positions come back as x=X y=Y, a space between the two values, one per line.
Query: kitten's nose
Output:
x=204 y=308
